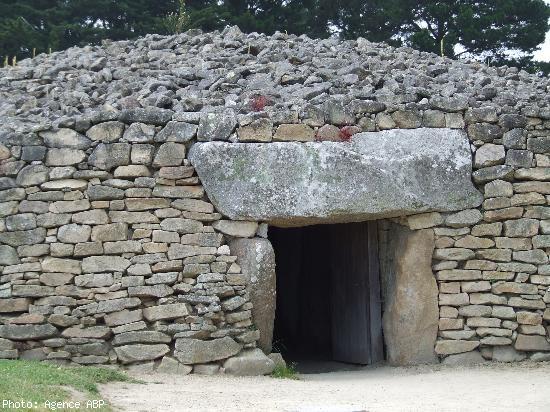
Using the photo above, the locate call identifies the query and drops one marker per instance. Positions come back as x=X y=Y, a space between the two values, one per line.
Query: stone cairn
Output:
x=110 y=251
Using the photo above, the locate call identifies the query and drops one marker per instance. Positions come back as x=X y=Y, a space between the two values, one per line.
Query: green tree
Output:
x=503 y=30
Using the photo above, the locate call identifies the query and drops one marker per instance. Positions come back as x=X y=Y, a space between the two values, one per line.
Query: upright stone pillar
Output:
x=257 y=260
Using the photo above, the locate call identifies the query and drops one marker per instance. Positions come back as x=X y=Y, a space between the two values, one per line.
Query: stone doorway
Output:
x=328 y=294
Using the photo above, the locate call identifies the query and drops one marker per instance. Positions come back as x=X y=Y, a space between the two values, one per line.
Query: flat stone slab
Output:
x=375 y=175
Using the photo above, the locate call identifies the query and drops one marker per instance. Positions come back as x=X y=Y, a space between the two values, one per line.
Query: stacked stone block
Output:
x=111 y=252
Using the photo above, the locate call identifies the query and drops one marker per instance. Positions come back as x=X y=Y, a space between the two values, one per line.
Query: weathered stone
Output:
x=27 y=332
x=14 y=305
x=171 y=366
x=421 y=325
x=191 y=351
x=110 y=232
x=98 y=264
x=464 y=359
x=170 y=311
x=99 y=192
x=507 y=354
x=148 y=336
x=25 y=237
x=492 y=173
x=65 y=138
x=110 y=155
x=107 y=132
x=51 y=264
x=179 y=132
x=294 y=133
x=92 y=332
x=69 y=206
x=123 y=317
x=32 y=175
x=169 y=154
x=236 y=229
x=531 y=343
x=158 y=291
x=139 y=353
x=484 y=132
x=251 y=362
x=216 y=126
x=151 y=115
x=450 y=347
x=74 y=233
x=257 y=260
x=95 y=280
x=8 y=256
x=64 y=157
x=260 y=130
x=489 y=155
x=521 y=227
x=294 y=169
x=181 y=225
x=515 y=139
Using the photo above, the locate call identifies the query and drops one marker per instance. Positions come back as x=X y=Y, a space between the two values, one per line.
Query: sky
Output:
x=544 y=53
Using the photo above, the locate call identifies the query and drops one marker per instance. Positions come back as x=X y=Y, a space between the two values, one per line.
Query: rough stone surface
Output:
x=249 y=363
x=256 y=258
x=410 y=335
x=408 y=172
x=190 y=351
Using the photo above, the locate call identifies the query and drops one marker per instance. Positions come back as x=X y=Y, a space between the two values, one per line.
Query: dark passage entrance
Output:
x=328 y=293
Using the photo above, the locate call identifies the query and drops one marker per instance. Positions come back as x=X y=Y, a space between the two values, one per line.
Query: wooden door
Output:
x=355 y=294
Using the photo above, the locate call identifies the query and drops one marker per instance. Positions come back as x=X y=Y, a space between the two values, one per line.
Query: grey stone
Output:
x=464 y=359
x=32 y=175
x=99 y=192
x=65 y=138
x=109 y=156
x=464 y=218
x=98 y=264
x=110 y=232
x=149 y=336
x=52 y=264
x=305 y=184
x=27 y=332
x=410 y=288
x=216 y=126
x=139 y=133
x=179 y=132
x=140 y=352
x=169 y=365
x=251 y=362
x=236 y=229
x=106 y=132
x=257 y=260
x=191 y=351
x=74 y=233
x=151 y=115
x=515 y=139
x=170 y=311
x=26 y=237
x=532 y=343
x=8 y=256
x=489 y=155
x=64 y=157
x=169 y=154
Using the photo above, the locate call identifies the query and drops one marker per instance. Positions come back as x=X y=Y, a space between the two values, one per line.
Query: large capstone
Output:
x=375 y=175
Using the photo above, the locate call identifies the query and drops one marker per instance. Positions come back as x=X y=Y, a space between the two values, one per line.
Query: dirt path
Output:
x=484 y=388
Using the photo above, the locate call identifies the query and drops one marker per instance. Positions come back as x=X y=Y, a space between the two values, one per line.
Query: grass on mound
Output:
x=40 y=382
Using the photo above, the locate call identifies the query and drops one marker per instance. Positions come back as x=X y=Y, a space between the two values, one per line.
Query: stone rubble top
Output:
x=255 y=76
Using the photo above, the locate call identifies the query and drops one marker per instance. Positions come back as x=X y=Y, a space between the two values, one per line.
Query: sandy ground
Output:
x=502 y=387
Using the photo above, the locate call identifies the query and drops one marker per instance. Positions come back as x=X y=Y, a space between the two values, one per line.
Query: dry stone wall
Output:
x=111 y=252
